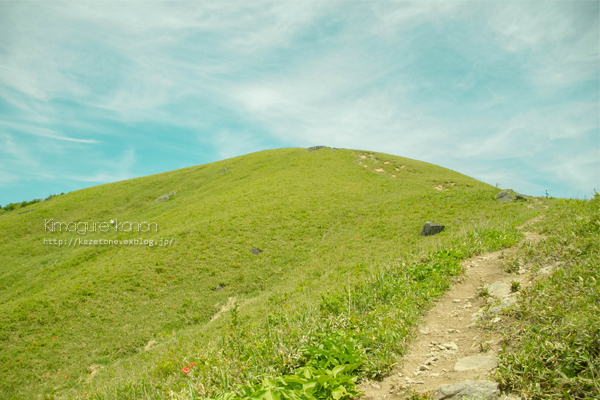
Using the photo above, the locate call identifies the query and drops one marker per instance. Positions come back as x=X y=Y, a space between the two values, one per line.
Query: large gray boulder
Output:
x=522 y=197
x=431 y=228
x=468 y=390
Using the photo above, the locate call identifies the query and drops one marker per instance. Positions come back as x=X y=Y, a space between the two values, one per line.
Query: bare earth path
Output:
x=451 y=347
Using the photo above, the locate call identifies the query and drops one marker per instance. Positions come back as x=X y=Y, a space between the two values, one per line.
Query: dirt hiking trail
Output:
x=451 y=347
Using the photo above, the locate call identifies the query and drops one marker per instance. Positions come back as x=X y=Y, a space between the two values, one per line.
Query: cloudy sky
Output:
x=96 y=92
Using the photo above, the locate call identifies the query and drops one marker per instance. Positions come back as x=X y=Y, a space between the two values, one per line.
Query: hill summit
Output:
x=111 y=278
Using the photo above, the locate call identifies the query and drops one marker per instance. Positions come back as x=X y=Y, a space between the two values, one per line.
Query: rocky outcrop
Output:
x=431 y=228
x=316 y=148
x=164 y=197
x=504 y=196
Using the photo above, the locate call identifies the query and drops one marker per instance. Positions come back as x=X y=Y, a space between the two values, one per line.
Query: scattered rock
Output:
x=503 y=194
x=431 y=228
x=475 y=362
x=162 y=198
x=25 y=212
x=431 y=360
x=219 y=287
x=508 y=301
x=255 y=251
x=316 y=148
x=499 y=290
x=522 y=197
x=149 y=345
x=172 y=193
x=450 y=346
x=469 y=390
x=424 y=331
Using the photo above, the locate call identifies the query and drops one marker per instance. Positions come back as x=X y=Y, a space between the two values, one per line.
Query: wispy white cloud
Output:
x=44 y=132
x=561 y=38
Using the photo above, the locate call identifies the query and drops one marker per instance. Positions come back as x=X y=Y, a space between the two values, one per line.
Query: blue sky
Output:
x=96 y=92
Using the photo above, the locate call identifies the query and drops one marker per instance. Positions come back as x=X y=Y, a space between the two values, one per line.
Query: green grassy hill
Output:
x=122 y=320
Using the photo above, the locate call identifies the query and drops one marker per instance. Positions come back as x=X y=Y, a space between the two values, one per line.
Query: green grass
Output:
x=341 y=252
x=553 y=341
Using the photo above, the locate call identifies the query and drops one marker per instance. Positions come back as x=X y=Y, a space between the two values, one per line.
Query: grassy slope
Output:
x=319 y=217
x=553 y=340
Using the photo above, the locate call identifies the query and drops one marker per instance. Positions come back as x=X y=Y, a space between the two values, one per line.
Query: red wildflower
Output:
x=185 y=370
x=192 y=364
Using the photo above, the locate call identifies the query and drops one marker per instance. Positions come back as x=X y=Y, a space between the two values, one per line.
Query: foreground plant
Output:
x=327 y=374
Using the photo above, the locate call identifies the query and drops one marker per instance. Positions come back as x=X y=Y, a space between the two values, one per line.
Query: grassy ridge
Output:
x=322 y=219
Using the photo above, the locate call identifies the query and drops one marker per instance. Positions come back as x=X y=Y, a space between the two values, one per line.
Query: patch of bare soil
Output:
x=451 y=347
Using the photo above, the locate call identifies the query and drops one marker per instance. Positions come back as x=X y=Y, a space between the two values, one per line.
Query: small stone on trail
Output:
x=475 y=362
x=499 y=289
x=450 y=346
x=255 y=251
x=468 y=390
